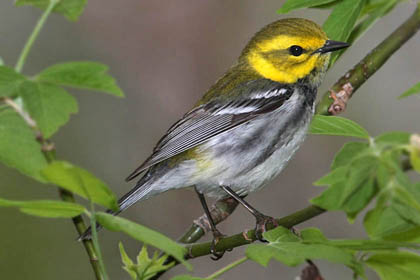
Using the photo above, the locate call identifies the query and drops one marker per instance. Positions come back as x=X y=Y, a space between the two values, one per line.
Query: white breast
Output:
x=249 y=156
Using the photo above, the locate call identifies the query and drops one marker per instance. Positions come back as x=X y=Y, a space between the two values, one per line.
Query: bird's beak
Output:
x=331 y=46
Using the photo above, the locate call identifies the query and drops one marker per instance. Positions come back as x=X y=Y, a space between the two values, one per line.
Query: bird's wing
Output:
x=211 y=119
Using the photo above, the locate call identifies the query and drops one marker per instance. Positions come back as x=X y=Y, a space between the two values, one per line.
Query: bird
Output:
x=246 y=127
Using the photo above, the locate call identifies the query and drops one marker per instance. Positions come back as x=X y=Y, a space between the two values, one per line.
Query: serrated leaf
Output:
x=9 y=81
x=84 y=75
x=331 y=125
x=81 y=182
x=335 y=176
x=291 y=5
x=393 y=137
x=411 y=91
x=146 y=267
x=124 y=257
x=349 y=152
x=49 y=105
x=395 y=265
x=143 y=234
x=356 y=189
x=341 y=21
x=18 y=147
x=71 y=9
x=45 y=208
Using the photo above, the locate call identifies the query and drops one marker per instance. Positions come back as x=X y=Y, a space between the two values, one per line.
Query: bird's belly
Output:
x=249 y=156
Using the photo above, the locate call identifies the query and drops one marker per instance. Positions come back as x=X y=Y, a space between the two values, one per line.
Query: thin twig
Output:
x=26 y=49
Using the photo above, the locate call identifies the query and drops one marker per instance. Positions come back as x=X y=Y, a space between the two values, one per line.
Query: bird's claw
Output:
x=217 y=236
x=261 y=226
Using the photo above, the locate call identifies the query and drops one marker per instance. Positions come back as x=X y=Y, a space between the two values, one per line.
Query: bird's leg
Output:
x=217 y=235
x=262 y=220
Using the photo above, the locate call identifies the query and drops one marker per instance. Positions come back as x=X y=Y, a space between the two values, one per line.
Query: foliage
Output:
x=146 y=267
x=411 y=91
x=144 y=234
x=45 y=208
x=370 y=174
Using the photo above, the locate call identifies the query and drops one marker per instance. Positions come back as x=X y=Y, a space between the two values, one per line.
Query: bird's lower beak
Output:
x=331 y=46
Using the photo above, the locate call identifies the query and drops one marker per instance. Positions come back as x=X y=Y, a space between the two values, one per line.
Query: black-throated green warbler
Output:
x=248 y=125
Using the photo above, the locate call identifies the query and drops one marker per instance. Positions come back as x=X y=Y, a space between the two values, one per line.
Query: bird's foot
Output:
x=217 y=236
x=261 y=226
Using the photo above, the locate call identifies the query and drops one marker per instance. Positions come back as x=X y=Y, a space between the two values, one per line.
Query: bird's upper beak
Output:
x=331 y=46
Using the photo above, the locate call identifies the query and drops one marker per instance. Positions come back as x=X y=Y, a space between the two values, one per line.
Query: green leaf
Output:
x=45 y=208
x=144 y=234
x=335 y=176
x=186 y=277
x=411 y=91
x=385 y=223
x=312 y=235
x=341 y=21
x=406 y=200
x=412 y=234
x=375 y=11
x=292 y=253
x=146 y=267
x=71 y=9
x=415 y=158
x=371 y=245
x=9 y=81
x=84 y=75
x=18 y=147
x=395 y=265
x=291 y=5
x=330 y=125
x=349 y=152
x=49 y=105
x=393 y=137
x=81 y=182
x=355 y=190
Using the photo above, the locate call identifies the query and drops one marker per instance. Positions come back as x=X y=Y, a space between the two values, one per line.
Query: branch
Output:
x=354 y=78
x=247 y=237
x=334 y=103
x=345 y=87
x=48 y=150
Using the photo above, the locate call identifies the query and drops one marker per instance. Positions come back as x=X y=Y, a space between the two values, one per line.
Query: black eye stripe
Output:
x=296 y=50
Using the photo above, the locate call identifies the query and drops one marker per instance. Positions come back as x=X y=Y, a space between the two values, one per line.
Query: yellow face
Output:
x=285 y=51
x=287 y=58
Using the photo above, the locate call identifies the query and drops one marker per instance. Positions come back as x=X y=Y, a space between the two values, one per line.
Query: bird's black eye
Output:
x=296 y=50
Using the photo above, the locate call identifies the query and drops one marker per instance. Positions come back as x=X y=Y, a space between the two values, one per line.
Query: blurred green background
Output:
x=164 y=55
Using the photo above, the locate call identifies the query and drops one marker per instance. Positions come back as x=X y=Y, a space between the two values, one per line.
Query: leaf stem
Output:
x=96 y=243
x=26 y=49
x=227 y=268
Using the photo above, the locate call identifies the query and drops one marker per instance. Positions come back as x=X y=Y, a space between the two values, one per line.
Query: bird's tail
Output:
x=140 y=191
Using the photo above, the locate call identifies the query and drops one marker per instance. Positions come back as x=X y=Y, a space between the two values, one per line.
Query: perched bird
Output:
x=247 y=126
